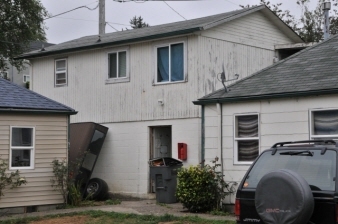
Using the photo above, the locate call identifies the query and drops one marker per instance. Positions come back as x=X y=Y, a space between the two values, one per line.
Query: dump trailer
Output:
x=86 y=140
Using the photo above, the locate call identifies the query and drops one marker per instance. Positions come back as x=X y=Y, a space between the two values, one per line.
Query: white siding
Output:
x=252 y=30
x=51 y=138
x=123 y=161
x=129 y=108
x=137 y=100
x=280 y=120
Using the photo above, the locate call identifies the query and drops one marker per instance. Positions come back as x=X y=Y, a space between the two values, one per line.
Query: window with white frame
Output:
x=324 y=124
x=170 y=63
x=246 y=138
x=117 y=65
x=4 y=74
x=26 y=78
x=60 y=72
x=22 y=148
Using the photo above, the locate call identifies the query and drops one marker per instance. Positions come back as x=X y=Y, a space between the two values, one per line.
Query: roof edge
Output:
x=235 y=16
x=95 y=46
x=265 y=97
x=35 y=111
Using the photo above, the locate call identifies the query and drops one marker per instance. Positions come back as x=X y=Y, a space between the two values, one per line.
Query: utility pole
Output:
x=102 y=17
x=326 y=7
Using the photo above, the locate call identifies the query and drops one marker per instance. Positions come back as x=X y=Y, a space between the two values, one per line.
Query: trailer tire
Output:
x=97 y=189
x=283 y=196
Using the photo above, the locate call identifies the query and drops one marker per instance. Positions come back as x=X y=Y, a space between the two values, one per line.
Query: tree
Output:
x=137 y=22
x=309 y=25
x=21 y=22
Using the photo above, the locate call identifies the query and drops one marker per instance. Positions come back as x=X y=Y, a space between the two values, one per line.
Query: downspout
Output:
x=202 y=137
x=220 y=133
x=68 y=143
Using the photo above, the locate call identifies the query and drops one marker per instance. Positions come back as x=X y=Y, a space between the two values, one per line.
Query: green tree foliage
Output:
x=309 y=25
x=137 y=22
x=21 y=21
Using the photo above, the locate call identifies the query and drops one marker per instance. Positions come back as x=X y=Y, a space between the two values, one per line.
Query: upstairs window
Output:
x=324 y=124
x=60 y=72
x=4 y=75
x=118 y=65
x=22 y=148
x=118 y=68
x=26 y=78
x=246 y=139
x=170 y=63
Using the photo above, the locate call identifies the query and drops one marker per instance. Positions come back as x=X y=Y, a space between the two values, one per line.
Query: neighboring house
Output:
x=141 y=83
x=33 y=132
x=295 y=99
x=22 y=77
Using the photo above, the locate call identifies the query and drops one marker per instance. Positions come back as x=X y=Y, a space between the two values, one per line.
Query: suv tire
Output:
x=283 y=196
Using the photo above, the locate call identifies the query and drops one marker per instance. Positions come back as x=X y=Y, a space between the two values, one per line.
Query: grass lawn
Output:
x=100 y=217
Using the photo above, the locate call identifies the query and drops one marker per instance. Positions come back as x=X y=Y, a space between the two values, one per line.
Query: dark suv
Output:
x=293 y=182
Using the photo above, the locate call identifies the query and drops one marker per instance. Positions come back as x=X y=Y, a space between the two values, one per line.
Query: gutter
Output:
x=33 y=111
x=265 y=96
x=107 y=44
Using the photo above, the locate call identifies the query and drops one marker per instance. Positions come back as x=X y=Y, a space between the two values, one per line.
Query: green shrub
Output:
x=201 y=188
x=9 y=180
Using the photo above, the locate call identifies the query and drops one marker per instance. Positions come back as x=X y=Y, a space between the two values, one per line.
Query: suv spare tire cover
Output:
x=284 y=197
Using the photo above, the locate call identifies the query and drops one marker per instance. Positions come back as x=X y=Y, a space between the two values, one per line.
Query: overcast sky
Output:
x=84 y=22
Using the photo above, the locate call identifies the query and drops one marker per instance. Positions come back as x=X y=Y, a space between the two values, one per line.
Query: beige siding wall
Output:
x=51 y=137
x=280 y=120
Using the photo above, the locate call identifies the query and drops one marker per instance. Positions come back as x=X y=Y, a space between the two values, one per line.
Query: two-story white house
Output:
x=141 y=83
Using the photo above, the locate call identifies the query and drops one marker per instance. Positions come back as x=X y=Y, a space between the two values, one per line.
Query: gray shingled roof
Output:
x=312 y=71
x=16 y=98
x=153 y=32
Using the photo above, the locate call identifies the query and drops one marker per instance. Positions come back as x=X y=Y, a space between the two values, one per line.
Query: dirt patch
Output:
x=63 y=220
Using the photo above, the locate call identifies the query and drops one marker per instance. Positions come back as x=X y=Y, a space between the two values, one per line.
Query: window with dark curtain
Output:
x=170 y=63
x=163 y=64
x=325 y=122
x=247 y=127
x=177 y=66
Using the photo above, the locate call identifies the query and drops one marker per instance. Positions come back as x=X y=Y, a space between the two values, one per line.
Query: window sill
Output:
x=168 y=83
x=242 y=163
x=60 y=85
x=117 y=80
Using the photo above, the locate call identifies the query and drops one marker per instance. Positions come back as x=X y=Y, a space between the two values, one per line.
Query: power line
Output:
x=174 y=10
x=111 y=26
x=232 y=2
x=84 y=6
x=88 y=20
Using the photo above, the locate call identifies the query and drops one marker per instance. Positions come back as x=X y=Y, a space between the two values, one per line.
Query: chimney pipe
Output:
x=326 y=6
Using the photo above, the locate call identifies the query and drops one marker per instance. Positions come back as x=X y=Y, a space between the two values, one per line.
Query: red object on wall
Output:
x=182 y=151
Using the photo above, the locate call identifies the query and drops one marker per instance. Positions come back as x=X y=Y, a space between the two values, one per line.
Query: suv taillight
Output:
x=237 y=209
x=336 y=213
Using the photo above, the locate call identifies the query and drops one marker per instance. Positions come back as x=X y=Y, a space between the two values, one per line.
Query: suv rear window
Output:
x=318 y=170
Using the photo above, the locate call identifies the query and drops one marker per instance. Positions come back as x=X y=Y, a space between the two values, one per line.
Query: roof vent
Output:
x=99 y=40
